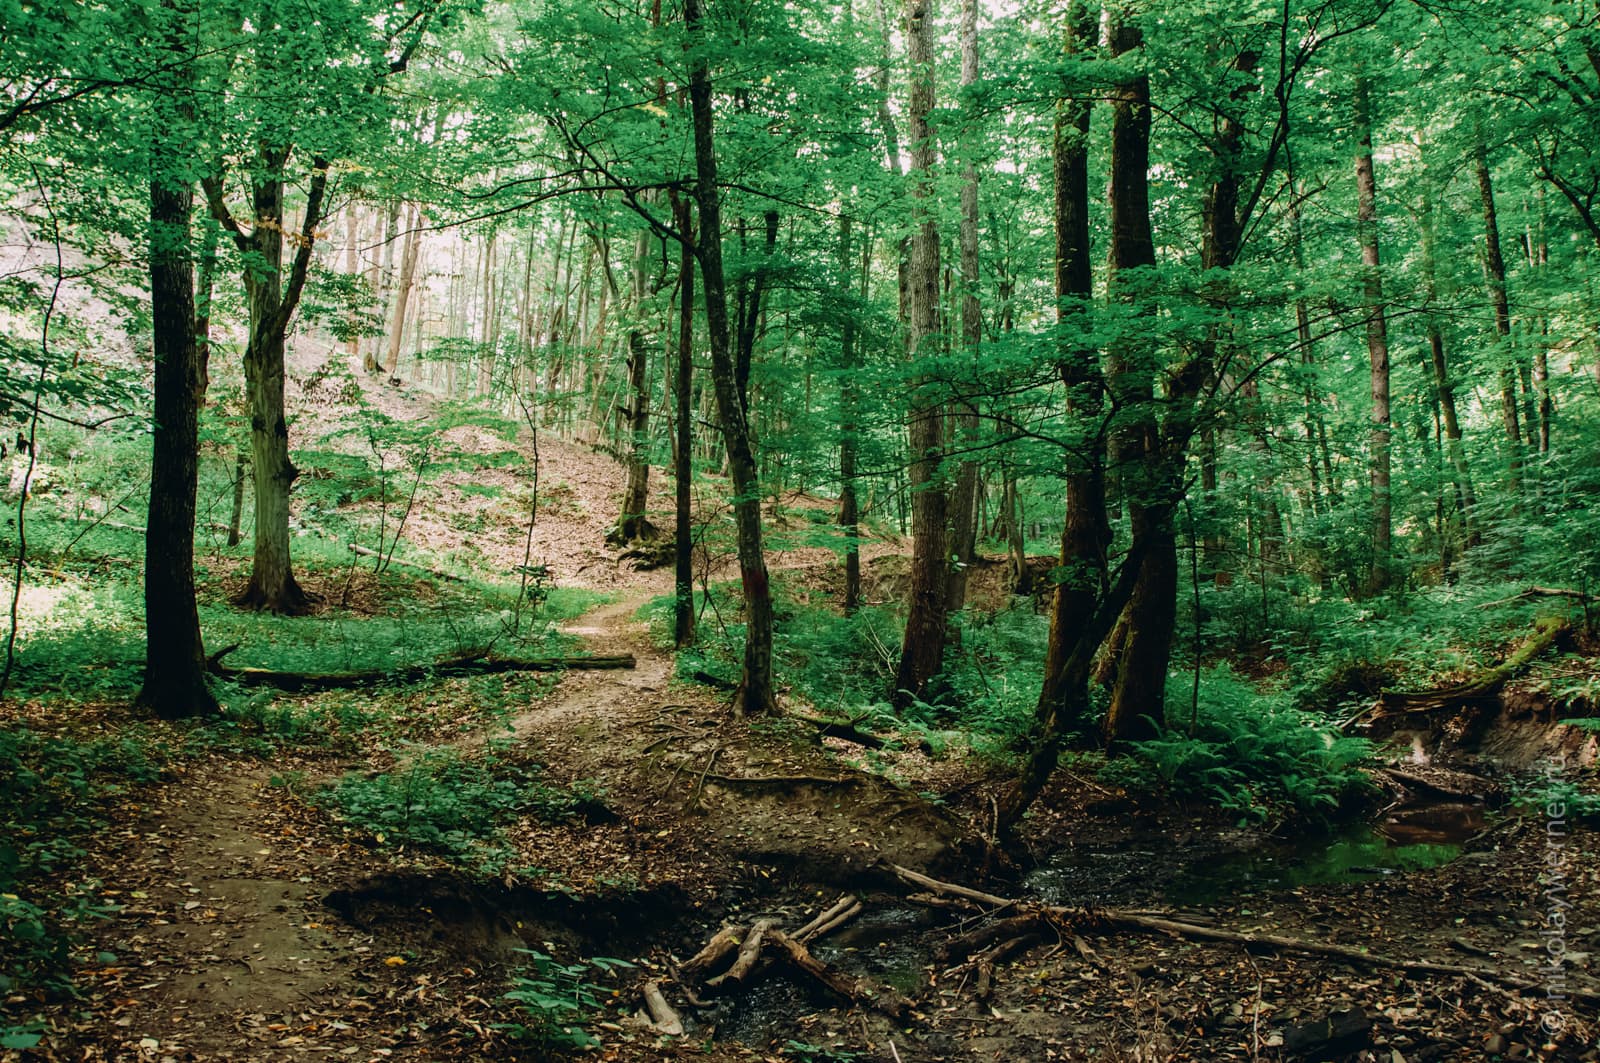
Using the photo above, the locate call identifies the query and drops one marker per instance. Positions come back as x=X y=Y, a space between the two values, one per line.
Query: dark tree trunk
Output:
x=1086 y=534
x=1445 y=392
x=1494 y=265
x=849 y=506
x=633 y=525
x=683 y=457
x=1379 y=455
x=755 y=695
x=175 y=659
x=922 y=651
x=1139 y=692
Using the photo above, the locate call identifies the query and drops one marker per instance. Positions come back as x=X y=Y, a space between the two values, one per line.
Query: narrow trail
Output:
x=225 y=946
x=594 y=697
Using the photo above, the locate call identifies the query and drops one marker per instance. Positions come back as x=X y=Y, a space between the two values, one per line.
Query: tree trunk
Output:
x=272 y=302
x=1494 y=266
x=683 y=456
x=755 y=695
x=922 y=652
x=632 y=525
x=402 y=296
x=1445 y=390
x=1379 y=456
x=849 y=505
x=1138 y=695
x=1086 y=533
x=963 y=499
x=175 y=658
x=382 y=277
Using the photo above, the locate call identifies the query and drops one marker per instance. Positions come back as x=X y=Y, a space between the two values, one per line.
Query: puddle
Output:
x=1407 y=839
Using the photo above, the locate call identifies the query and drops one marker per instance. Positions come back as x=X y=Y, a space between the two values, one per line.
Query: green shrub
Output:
x=1247 y=753
x=450 y=804
x=558 y=999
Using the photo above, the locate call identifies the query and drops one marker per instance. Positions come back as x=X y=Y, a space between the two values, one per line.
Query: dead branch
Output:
x=722 y=943
x=1111 y=917
x=846 y=909
x=749 y=952
x=885 y=1000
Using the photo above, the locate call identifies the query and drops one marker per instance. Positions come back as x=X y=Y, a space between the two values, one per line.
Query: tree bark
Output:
x=963 y=499
x=1139 y=691
x=755 y=695
x=1494 y=266
x=175 y=659
x=922 y=651
x=272 y=299
x=1379 y=455
x=683 y=456
x=402 y=297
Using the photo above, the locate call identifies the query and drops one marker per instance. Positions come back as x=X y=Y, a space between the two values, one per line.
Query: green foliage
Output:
x=810 y=1053
x=1247 y=753
x=450 y=804
x=1557 y=796
x=558 y=1000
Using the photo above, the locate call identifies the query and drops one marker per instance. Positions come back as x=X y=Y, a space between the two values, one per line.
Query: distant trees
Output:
x=1103 y=299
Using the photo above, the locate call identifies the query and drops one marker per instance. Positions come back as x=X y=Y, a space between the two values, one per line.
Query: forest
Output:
x=821 y=531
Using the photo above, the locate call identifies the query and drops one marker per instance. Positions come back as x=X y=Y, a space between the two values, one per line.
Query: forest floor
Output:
x=252 y=921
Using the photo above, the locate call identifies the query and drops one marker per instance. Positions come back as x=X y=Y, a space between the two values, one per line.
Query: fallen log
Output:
x=476 y=663
x=1460 y=785
x=1487 y=684
x=1487 y=977
x=1529 y=593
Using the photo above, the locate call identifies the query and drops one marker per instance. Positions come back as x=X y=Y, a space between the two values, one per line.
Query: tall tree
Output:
x=175 y=682
x=1143 y=471
x=922 y=651
x=1379 y=440
x=964 y=422
x=756 y=695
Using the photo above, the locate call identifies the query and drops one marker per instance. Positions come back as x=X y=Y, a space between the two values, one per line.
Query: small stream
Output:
x=1406 y=839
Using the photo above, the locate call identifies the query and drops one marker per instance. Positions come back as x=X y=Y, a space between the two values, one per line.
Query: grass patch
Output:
x=452 y=805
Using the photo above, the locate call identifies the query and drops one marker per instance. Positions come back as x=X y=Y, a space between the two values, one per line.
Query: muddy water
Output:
x=1406 y=839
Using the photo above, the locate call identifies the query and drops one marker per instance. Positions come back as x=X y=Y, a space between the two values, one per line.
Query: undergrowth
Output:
x=1247 y=751
x=453 y=805
x=559 y=1000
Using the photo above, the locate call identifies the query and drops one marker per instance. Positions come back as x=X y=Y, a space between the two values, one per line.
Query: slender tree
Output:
x=175 y=682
